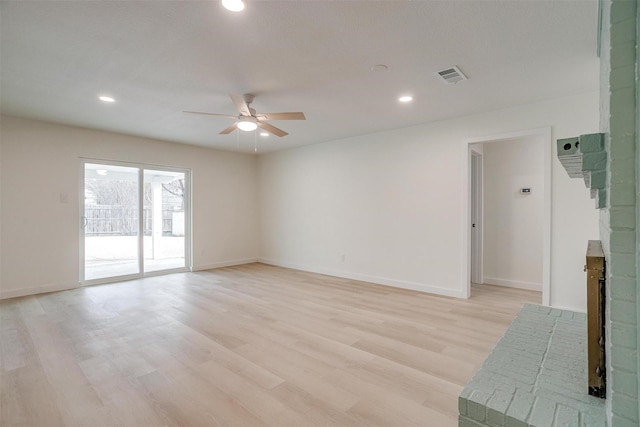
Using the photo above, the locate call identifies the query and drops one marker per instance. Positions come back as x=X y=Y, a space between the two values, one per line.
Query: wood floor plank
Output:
x=251 y=345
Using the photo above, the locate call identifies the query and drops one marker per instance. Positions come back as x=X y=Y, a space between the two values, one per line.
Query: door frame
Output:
x=477 y=187
x=545 y=136
x=187 y=226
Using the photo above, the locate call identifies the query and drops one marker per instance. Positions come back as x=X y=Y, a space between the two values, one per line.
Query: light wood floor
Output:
x=253 y=345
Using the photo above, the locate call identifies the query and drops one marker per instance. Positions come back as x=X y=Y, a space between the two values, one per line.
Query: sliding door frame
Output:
x=187 y=221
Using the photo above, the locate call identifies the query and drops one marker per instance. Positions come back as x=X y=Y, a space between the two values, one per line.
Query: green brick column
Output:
x=619 y=222
x=638 y=181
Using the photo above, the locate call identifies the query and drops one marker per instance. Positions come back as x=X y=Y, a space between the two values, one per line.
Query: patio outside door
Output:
x=134 y=221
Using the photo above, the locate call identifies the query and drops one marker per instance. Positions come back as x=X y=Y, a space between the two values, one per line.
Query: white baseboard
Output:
x=53 y=287
x=532 y=286
x=421 y=287
x=329 y=272
x=221 y=264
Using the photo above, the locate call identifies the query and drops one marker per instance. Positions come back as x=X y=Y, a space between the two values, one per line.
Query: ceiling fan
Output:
x=248 y=119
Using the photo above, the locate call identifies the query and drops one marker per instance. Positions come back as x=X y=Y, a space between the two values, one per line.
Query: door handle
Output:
x=84 y=222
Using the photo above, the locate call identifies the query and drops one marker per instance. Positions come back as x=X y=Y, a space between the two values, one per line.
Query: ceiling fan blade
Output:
x=282 y=116
x=229 y=129
x=272 y=129
x=211 y=114
x=241 y=105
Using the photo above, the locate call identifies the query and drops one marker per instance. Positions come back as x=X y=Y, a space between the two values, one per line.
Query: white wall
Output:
x=391 y=202
x=385 y=207
x=513 y=222
x=40 y=235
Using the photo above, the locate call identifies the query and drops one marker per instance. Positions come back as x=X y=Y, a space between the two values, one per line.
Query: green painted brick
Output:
x=620 y=118
x=476 y=404
x=623 y=288
x=580 y=316
x=618 y=421
x=623 y=360
x=622 y=123
x=623 y=311
x=497 y=407
x=624 y=171
x=623 y=217
x=625 y=31
x=624 y=148
x=623 y=101
x=622 y=54
x=625 y=406
x=467 y=422
x=544 y=344
x=495 y=418
x=598 y=180
x=623 y=335
x=622 y=265
x=627 y=385
x=594 y=161
x=591 y=143
x=543 y=412
x=621 y=11
x=622 y=195
x=555 y=312
x=520 y=406
x=566 y=417
x=462 y=405
x=512 y=422
x=622 y=241
x=622 y=77
x=601 y=199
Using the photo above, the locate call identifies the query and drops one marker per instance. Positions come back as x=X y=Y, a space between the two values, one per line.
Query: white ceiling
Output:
x=157 y=58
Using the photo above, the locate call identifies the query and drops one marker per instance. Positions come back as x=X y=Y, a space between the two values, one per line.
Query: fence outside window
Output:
x=109 y=220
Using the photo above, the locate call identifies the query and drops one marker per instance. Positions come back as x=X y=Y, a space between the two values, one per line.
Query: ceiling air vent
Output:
x=451 y=75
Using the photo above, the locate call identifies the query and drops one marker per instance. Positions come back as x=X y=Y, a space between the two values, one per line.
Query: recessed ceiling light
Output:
x=264 y=133
x=234 y=5
x=406 y=98
x=106 y=99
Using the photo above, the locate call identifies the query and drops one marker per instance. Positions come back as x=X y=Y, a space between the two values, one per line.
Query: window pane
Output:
x=110 y=221
x=164 y=220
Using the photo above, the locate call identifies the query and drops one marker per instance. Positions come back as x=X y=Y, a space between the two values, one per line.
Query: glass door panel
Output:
x=164 y=220
x=111 y=221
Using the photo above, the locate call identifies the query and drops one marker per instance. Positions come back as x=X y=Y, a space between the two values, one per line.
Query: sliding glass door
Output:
x=135 y=220
x=164 y=220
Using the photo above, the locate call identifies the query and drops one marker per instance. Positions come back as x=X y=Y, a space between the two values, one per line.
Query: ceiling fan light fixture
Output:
x=234 y=5
x=247 y=124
